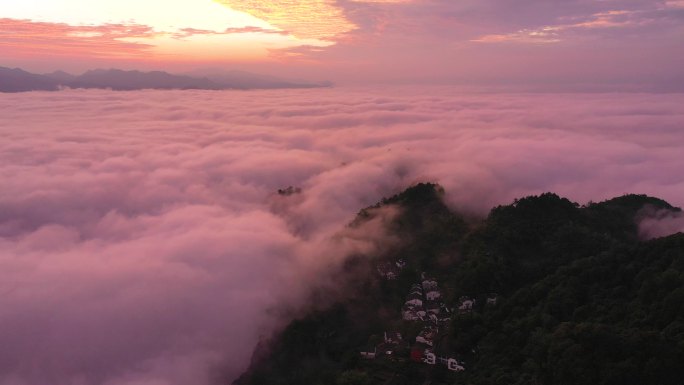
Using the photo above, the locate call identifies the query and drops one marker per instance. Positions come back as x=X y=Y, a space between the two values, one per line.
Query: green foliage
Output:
x=616 y=216
x=429 y=229
x=610 y=318
x=581 y=299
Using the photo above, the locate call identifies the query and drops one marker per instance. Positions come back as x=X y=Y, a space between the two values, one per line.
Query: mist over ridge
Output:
x=122 y=213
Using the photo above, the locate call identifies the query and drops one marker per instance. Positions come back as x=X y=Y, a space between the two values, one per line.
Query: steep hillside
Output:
x=541 y=291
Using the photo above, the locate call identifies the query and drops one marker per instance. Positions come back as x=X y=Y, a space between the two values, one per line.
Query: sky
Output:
x=626 y=44
x=142 y=241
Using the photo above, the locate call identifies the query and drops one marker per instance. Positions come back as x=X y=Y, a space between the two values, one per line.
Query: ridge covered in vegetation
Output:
x=580 y=299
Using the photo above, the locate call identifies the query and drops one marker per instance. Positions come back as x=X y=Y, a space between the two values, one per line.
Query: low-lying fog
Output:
x=142 y=239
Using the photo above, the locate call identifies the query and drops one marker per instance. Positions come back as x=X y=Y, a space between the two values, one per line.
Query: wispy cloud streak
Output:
x=29 y=38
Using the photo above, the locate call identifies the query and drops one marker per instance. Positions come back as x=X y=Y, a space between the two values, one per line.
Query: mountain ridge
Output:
x=18 y=80
x=540 y=291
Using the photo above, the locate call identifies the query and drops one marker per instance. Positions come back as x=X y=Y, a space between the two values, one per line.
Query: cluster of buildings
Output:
x=424 y=304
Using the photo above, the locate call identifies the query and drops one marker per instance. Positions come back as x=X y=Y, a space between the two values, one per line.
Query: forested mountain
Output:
x=542 y=291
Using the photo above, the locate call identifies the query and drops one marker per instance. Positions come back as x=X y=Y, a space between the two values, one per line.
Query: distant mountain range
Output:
x=18 y=80
x=248 y=80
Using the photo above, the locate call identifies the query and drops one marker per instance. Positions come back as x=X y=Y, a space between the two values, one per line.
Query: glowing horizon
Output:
x=614 y=42
x=199 y=30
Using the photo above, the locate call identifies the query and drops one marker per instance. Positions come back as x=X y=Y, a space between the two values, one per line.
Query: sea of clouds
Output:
x=142 y=239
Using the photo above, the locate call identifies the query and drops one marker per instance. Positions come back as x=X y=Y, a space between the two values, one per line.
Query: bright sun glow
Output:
x=162 y=15
x=194 y=29
x=317 y=19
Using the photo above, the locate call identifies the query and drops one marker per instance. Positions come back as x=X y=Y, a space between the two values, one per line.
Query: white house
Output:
x=412 y=313
x=427 y=337
x=414 y=299
x=429 y=283
x=454 y=365
x=430 y=358
x=433 y=294
x=422 y=339
x=466 y=304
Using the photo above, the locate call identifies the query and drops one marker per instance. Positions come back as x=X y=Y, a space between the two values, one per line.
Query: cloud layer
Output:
x=142 y=240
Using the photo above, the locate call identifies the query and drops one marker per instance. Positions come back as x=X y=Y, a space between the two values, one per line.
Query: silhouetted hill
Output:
x=17 y=80
x=60 y=76
x=580 y=299
x=136 y=80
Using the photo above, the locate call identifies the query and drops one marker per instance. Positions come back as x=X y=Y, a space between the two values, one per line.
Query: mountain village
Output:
x=424 y=305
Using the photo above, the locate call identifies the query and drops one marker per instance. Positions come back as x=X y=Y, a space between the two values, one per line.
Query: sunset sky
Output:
x=626 y=42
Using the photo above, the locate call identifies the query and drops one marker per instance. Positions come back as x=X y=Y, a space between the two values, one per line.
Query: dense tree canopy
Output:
x=581 y=300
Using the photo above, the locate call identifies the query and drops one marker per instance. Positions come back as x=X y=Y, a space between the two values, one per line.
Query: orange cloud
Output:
x=315 y=19
x=553 y=33
x=188 y=32
x=26 y=38
x=30 y=39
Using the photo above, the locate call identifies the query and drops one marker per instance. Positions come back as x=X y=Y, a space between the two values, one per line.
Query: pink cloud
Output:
x=660 y=224
x=556 y=44
x=142 y=239
x=26 y=38
x=187 y=32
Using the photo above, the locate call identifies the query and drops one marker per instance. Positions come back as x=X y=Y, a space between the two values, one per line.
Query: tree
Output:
x=353 y=377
